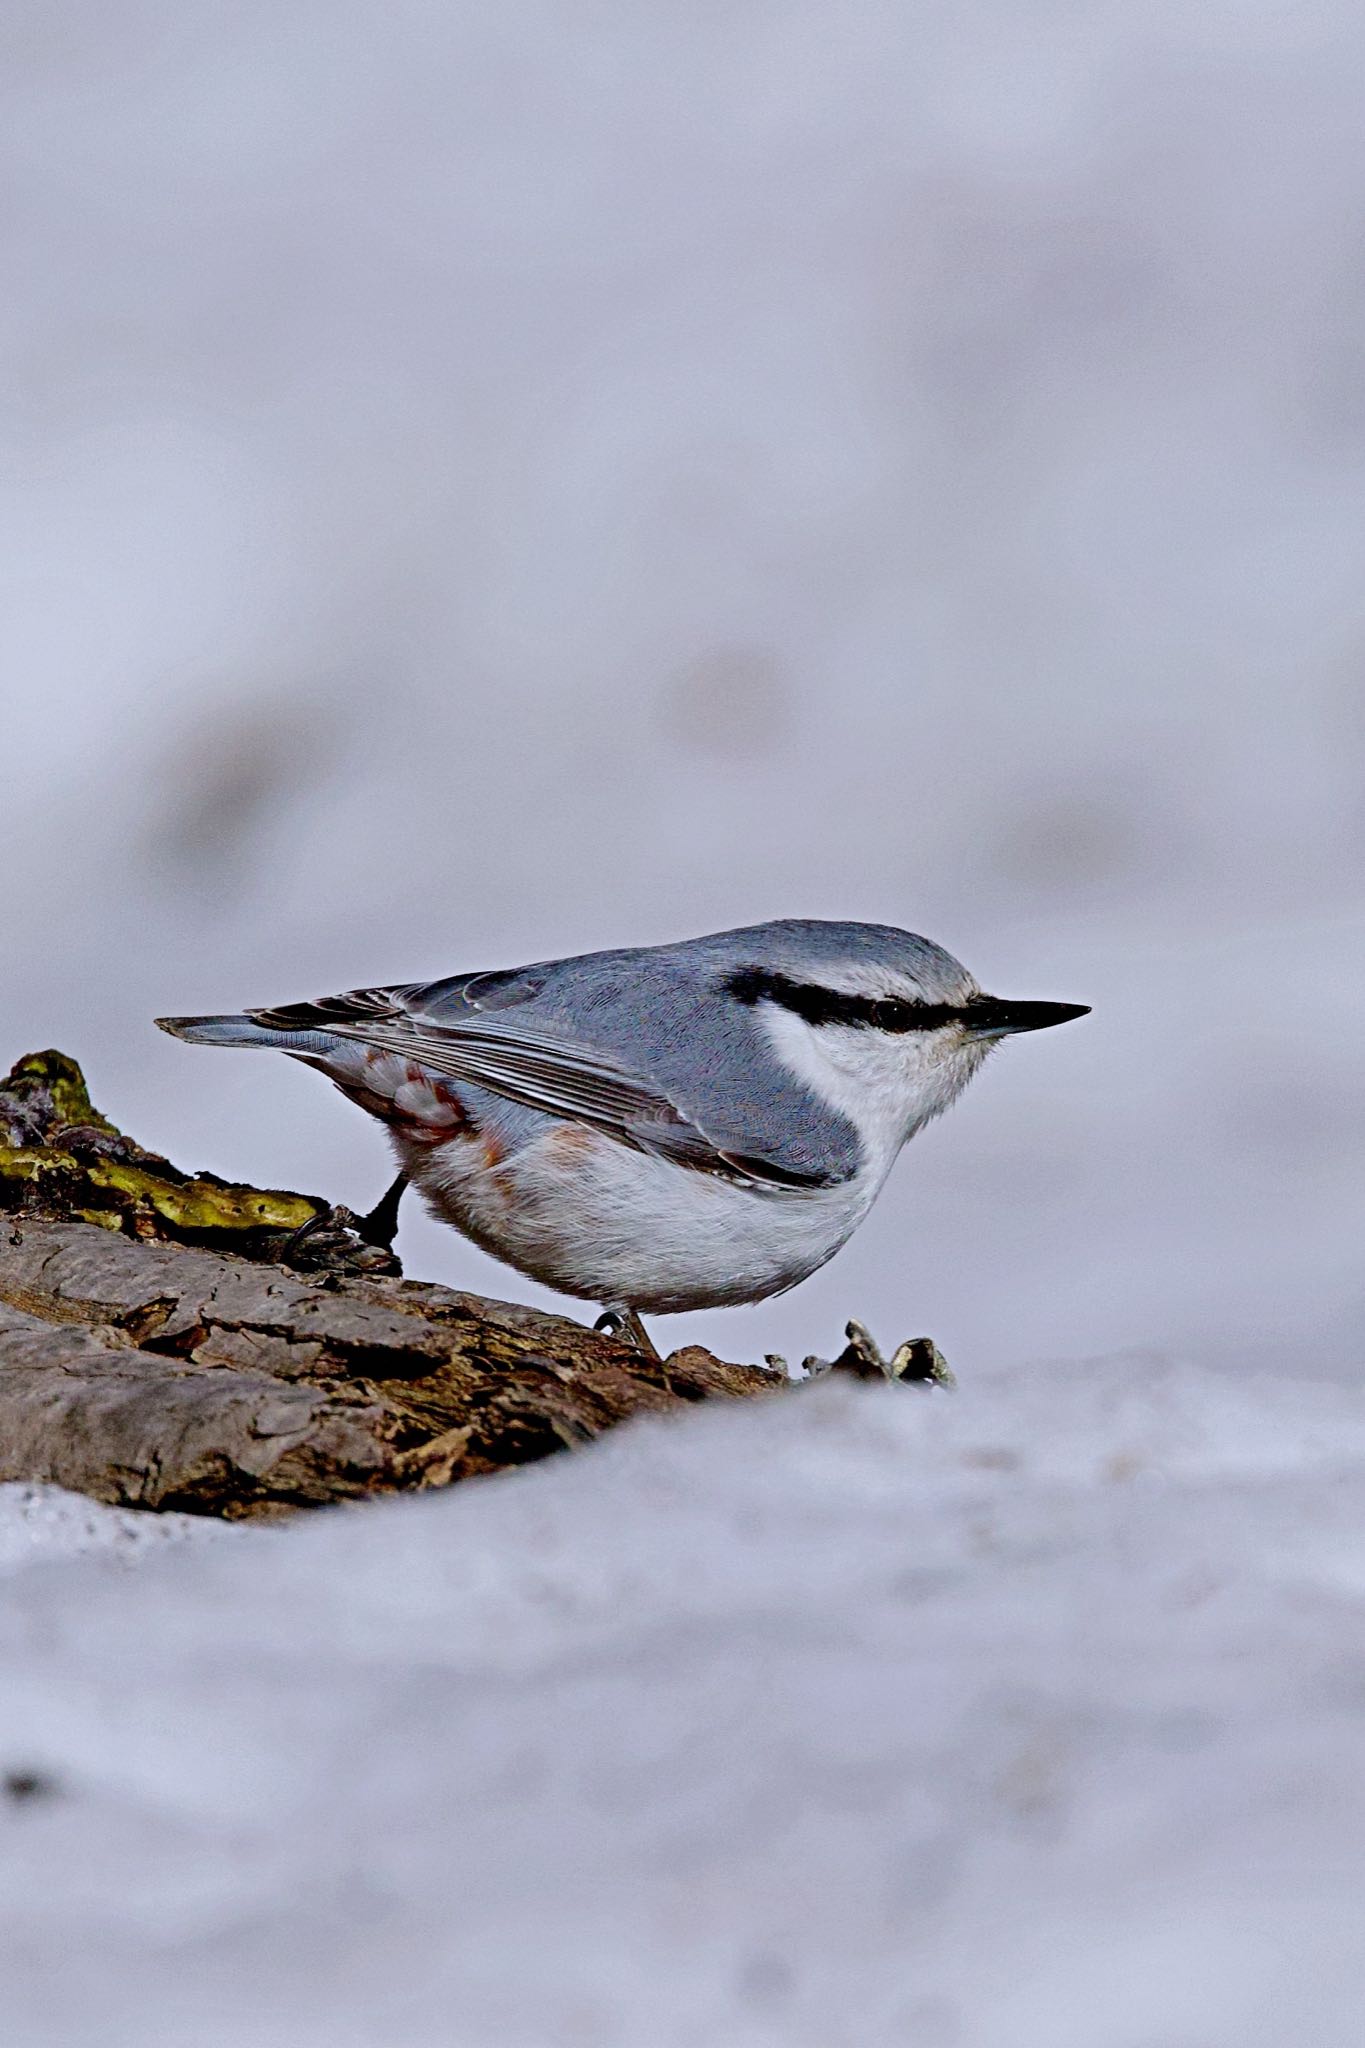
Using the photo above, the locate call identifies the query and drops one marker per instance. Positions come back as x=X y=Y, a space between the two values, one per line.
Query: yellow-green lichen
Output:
x=60 y=1159
x=64 y=1081
x=203 y=1205
x=189 y=1205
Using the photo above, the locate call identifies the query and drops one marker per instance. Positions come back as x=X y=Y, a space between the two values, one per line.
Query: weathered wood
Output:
x=156 y=1349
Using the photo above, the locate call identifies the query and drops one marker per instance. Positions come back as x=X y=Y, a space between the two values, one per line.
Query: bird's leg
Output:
x=380 y=1225
x=626 y=1324
x=378 y=1228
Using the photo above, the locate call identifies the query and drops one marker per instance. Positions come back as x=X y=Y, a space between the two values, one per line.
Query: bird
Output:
x=656 y=1129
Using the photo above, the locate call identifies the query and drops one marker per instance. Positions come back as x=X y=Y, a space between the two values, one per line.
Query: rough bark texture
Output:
x=165 y=1343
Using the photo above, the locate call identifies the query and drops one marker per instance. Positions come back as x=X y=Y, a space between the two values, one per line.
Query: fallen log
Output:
x=168 y=1341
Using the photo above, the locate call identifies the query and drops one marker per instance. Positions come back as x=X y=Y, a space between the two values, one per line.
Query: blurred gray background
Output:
x=482 y=482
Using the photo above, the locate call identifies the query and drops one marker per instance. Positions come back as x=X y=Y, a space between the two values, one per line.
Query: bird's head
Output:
x=883 y=1025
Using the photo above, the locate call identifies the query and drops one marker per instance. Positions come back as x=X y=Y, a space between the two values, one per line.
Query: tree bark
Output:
x=166 y=1340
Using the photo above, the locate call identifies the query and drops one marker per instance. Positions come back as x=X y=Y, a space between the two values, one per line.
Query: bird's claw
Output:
x=625 y=1324
x=336 y=1238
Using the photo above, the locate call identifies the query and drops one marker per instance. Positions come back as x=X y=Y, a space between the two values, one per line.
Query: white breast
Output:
x=594 y=1218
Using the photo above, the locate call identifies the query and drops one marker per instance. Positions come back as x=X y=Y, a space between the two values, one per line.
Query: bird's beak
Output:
x=997 y=1017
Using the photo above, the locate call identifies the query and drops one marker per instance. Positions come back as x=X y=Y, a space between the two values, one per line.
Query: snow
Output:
x=42 y=1522
x=1029 y=1716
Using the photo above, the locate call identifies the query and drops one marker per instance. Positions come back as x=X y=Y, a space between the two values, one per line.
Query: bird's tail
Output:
x=232 y=1031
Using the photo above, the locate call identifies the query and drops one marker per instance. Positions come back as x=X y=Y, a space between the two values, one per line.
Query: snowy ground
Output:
x=1030 y=1717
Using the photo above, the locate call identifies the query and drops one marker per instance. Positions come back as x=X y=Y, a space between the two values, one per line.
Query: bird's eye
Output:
x=886 y=1015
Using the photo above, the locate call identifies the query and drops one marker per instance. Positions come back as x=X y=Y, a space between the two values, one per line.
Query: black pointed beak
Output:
x=997 y=1017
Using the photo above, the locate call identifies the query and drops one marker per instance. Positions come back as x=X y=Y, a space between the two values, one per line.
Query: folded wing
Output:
x=469 y=1030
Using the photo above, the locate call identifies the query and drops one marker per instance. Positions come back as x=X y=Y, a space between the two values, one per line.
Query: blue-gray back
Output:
x=664 y=1013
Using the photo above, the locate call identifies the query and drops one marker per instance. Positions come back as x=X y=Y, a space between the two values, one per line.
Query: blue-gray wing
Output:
x=497 y=1031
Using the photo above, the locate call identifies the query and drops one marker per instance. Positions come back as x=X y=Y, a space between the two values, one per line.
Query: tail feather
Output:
x=234 y=1031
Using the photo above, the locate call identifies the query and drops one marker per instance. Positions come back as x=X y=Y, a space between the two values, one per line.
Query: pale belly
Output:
x=594 y=1218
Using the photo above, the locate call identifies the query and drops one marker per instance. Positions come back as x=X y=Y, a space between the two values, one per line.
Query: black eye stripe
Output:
x=833 y=1006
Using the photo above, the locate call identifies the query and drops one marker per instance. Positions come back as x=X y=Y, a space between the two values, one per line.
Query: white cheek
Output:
x=886 y=1086
x=835 y=1062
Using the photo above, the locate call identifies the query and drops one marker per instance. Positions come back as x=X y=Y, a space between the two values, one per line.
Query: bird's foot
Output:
x=625 y=1324
x=917 y=1362
x=335 y=1240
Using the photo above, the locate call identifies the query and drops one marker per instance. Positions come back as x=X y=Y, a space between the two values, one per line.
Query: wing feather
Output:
x=558 y=1076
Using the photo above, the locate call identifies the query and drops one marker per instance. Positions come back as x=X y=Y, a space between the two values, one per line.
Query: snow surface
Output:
x=38 y=1523
x=1031 y=1716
